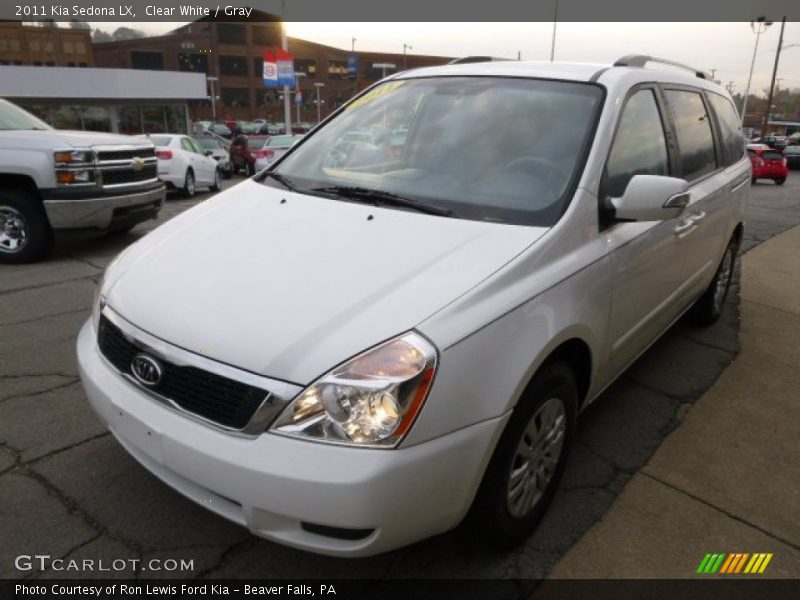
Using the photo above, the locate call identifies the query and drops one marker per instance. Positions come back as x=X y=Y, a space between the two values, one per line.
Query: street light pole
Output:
x=353 y=54
x=553 y=42
x=759 y=26
x=318 y=85
x=772 y=82
x=405 y=47
x=287 y=101
x=297 y=91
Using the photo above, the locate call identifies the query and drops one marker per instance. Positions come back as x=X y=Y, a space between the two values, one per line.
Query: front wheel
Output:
x=529 y=459
x=25 y=234
x=780 y=181
x=708 y=308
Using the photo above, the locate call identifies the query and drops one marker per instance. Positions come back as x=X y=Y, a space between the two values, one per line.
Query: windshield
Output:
x=283 y=140
x=208 y=143
x=486 y=148
x=256 y=143
x=13 y=117
x=160 y=140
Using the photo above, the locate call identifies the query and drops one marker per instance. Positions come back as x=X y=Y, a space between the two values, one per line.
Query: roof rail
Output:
x=640 y=60
x=474 y=59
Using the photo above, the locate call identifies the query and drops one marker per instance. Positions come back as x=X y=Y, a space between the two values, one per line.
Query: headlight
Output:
x=371 y=400
x=65 y=158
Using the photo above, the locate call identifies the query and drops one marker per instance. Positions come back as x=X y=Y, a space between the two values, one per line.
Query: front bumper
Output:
x=273 y=485
x=104 y=212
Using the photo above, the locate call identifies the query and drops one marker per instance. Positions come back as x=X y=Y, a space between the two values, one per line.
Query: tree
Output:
x=75 y=24
x=126 y=33
x=99 y=36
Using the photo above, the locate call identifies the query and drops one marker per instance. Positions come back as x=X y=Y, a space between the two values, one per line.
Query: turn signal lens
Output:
x=370 y=400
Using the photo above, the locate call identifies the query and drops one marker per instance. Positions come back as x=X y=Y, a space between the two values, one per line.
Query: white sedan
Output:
x=184 y=165
x=273 y=149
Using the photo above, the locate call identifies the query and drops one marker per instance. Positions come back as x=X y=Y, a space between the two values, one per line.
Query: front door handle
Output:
x=685 y=227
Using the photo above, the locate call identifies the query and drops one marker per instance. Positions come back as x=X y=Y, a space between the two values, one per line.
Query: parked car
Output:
x=245 y=150
x=218 y=152
x=792 y=154
x=53 y=180
x=767 y=163
x=275 y=147
x=221 y=130
x=376 y=353
x=777 y=142
x=184 y=165
x=270 y=129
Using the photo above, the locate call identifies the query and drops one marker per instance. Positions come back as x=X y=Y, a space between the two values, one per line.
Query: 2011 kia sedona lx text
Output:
x=396 y=325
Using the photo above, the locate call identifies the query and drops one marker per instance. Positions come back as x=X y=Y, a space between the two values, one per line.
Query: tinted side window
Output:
x=639 y=147
x=693 y=129
x=730 y=129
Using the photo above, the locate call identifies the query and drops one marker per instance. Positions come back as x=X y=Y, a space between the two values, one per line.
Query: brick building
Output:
x=233 y=53
x=44 y=45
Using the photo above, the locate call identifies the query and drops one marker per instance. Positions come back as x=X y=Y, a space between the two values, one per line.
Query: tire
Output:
x=121 y=230
x=708 y=308
x=753 y=181
x=189 y=185
x=217 y=182
x=780 y=181
x=499 y=514
x=25 y=233
x=228 y=173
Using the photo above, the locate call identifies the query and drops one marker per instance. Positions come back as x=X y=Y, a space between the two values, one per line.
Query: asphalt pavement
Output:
x=70 y=491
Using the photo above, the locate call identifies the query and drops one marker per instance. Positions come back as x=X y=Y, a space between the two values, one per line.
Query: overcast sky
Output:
x=726 y=47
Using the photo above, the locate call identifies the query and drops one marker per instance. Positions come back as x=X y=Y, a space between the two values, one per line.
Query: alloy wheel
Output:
x=536 y=458
x=13 y=230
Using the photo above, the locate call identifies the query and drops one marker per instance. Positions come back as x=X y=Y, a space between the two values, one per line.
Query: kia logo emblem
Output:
x=146 y=370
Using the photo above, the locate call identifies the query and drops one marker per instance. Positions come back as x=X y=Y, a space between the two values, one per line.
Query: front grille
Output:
x=125 y=154
x=225 y=401
x=119 y=176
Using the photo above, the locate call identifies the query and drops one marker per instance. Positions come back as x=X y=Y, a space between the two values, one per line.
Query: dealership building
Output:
x=231 y=54
x=115 y=100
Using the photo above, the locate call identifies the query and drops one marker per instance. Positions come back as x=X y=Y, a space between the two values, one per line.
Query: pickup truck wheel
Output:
x=217 y=181
x=529 y=459
x=188 y=184
x=708 y=307
x=25 y=234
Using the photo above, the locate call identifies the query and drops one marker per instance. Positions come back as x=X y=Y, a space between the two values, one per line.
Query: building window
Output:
x=68 y=48
x=153 y=119
x=194 y=62
x=95 y=118
x=34 y=46
x=66 y=117
x=307 y=66
x=70 y=64
x=80 y=48
x=228 y=33
x=49 y=63
x=233 y=65
x=176 y=119
x=337 y=69
x=37 y=63
x=153 y=61
x=235 y=97
x=266 y=35
x=130 y=120
x=47 y=46
x=13 y=45
x=82 y=64
x=258 y=67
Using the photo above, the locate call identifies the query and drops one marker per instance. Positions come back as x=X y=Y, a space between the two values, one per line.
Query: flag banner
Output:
x=285 y=68
x=352 y=64
x=270 y=70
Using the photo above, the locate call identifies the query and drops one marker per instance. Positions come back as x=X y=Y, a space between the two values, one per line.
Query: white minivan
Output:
x=372 y=340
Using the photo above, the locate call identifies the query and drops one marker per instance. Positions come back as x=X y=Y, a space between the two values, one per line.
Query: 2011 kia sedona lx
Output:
x=397 y=324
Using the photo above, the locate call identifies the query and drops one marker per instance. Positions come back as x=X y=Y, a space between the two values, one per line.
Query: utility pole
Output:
x=713 y=73
x=772 y=83
x=405 y=47
x=353 y=53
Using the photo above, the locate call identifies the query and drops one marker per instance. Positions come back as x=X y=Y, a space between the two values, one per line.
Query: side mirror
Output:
x=209 y=153
x=652 y=198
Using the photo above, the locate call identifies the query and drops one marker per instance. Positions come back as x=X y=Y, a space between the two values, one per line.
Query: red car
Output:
x=245 y=150
x=768 y=163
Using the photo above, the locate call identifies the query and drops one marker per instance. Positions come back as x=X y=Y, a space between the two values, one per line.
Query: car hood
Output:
x=288 y=285
x=59 y=138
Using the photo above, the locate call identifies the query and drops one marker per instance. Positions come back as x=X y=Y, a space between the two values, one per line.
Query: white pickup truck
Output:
x=52 y=179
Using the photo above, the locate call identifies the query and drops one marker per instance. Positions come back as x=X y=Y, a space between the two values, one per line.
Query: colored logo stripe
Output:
x=736 y=562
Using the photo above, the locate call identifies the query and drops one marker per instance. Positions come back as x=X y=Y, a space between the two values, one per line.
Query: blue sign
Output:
x=286 y=72
x=352 y=64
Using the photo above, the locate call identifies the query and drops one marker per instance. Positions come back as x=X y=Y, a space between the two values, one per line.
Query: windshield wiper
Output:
x=280 y=179
x=379 y=197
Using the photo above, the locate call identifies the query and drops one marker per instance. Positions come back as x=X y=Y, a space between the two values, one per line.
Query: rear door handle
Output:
x=697 y=217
